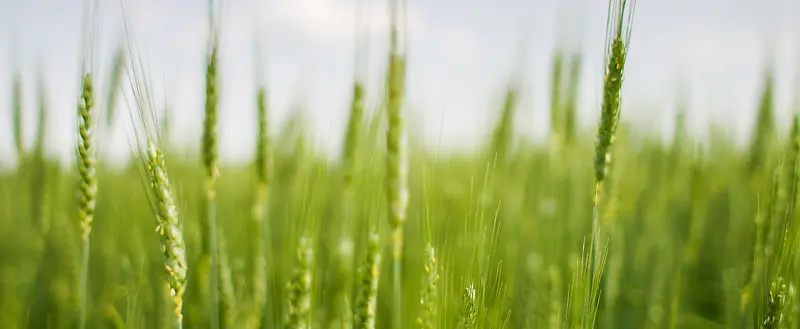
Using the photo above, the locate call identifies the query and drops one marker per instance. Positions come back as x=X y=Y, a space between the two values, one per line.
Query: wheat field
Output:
x=604 y=228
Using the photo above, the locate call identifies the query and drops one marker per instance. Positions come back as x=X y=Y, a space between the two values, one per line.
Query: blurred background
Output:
x=710 y=53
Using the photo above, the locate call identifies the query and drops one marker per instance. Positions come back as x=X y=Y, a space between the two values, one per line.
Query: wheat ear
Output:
x=87 y=185
x=172 y=243
x=618 y=33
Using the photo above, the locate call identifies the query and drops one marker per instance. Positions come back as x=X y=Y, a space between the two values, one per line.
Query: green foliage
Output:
x=696 y=219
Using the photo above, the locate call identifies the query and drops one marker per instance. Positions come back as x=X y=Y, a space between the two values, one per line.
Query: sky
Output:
x=462 y=53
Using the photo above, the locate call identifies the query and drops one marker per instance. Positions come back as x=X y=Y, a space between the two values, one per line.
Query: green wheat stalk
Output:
x=263 y=165
x=618 y=34
x=396 y=163
x=87 y=185
x=210 y=159
x=618 y=37
x=350 y=156
x=160 y=193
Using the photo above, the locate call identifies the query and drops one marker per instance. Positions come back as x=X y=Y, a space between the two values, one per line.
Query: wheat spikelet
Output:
x=299 y=311
x=172 y=244
x=429 y=299
x=367 y=302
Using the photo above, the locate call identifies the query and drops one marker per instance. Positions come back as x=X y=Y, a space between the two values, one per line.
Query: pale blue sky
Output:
x=461 y=54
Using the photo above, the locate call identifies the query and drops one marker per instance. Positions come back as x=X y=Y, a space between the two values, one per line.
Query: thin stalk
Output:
x=397 y=163
x=227 y=300
x=210 y=158
x=263 y=166
x=350 y=156
x=83 y=285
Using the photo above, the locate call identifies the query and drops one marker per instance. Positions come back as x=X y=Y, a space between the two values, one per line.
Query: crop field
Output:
x=603 y=228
